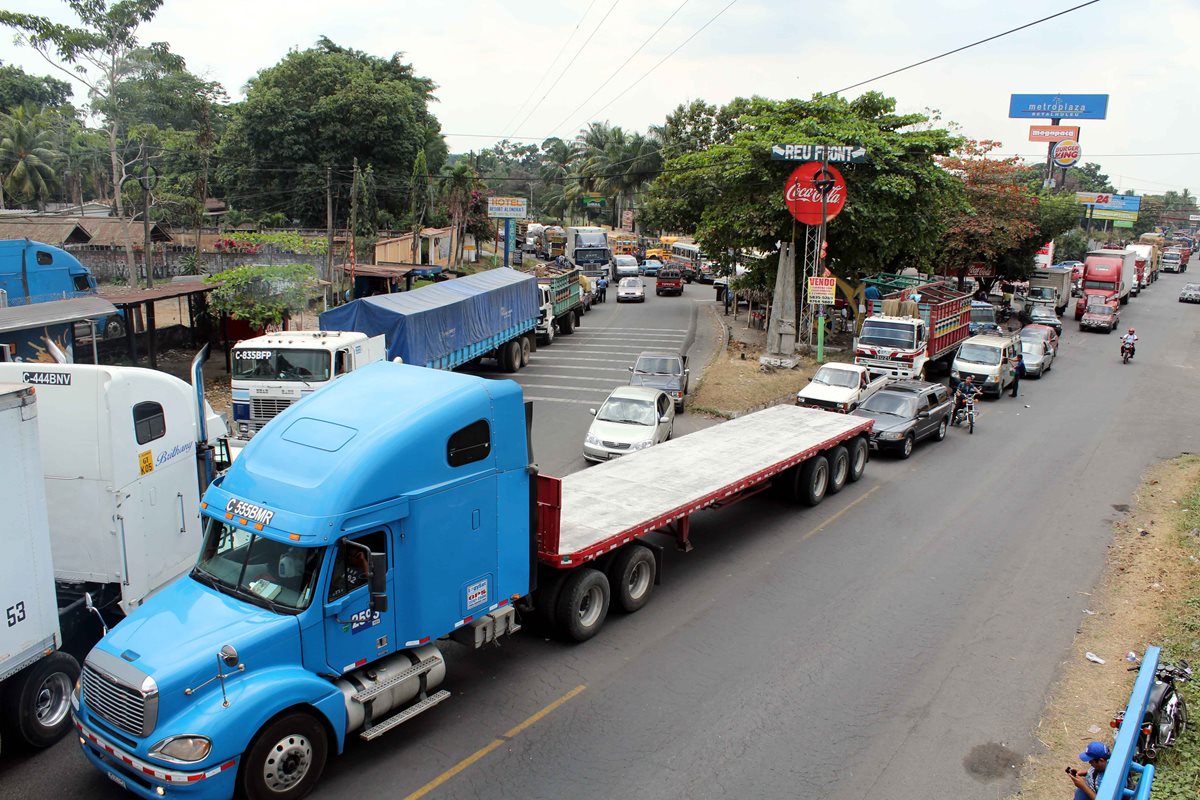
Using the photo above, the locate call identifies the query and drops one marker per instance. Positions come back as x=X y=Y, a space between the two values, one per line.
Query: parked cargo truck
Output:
x=1049 y=286
x=562 y=304
x=101 y=508
x=491 y=314
x=1107 y=272
x=397 y=507
x=33 y=272
x=905 y=337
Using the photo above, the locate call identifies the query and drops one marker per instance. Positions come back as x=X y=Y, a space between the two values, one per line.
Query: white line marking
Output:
x=551 y=365
x=559 y=400
x=571 y=358
x=564 y=388
x=542 y=375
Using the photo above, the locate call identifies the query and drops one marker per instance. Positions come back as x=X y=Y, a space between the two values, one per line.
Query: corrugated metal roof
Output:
x=109 y=232
x=55 y=312
x=131 y=297
x=53 y=231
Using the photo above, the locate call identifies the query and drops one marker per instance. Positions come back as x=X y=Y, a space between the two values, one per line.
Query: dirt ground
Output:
x=1151 y=570
x=736 y=383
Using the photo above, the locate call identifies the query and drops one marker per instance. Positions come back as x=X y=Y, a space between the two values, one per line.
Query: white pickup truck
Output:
x=840 y=387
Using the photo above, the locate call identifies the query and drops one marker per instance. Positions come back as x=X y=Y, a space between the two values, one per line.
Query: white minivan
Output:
x=989 y=359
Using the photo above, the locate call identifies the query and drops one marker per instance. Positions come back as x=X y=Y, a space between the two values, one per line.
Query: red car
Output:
x=669 y=280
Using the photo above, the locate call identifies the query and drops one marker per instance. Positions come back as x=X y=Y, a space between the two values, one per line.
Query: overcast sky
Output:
x=494 y=63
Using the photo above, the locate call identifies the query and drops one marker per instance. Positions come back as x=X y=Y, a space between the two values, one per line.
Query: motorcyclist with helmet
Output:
x=1130 y=339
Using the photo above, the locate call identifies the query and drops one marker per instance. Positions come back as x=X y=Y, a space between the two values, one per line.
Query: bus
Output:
x=688 y=258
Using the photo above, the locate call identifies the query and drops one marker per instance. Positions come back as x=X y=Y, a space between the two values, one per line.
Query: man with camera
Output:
x=1086 y=784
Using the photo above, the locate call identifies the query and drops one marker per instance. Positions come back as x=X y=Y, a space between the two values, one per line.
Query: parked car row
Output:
x=641 y=414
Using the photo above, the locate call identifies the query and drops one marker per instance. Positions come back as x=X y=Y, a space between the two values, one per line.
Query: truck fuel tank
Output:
x=389 y=683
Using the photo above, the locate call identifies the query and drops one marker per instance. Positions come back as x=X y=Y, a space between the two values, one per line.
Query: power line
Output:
x=645 y=75
x=624 y=63
x=567 y=66
x=964 y=47
x=550 y=66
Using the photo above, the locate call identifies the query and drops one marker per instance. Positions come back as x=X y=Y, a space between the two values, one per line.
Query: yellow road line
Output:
x=838 y=515
x=492 y=745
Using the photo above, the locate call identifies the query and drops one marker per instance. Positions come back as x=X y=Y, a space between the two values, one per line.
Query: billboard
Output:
x=1058 y=106
x=1112 y=202
x=1108 y=213
x=1053 y=133
x=507 y=207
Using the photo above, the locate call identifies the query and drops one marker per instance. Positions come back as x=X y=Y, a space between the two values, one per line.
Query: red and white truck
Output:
x=1107 y=272
x=897 y=342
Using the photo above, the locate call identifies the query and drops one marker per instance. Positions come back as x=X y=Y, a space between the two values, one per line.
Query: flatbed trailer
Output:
x=597 y=510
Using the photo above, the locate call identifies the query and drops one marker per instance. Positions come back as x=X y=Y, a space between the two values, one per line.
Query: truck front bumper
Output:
x=152 y=781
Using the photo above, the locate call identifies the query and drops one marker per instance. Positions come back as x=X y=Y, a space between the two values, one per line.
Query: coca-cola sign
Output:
x=803 y=194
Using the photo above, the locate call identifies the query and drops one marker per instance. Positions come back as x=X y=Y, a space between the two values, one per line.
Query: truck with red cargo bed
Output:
x=913 y=327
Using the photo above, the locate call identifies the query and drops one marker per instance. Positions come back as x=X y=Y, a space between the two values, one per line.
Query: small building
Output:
x=47 y=230
x=435 y=249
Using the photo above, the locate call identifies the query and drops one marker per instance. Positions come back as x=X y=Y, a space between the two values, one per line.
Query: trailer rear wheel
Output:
x=839 y=468
x=37 y=701
x=631 y=576
x=526 y=349
x=510 y=356
x=566 y=325
x=583 y=604
x=860 y=453
x=285 y=760
x=812 y=481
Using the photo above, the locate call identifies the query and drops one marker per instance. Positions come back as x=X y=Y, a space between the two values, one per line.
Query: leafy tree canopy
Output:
x=730 y=194
x=264 y=295
x=328 y=105
x=18 y=87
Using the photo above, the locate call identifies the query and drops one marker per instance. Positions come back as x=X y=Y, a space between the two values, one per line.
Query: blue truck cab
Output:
x=348 y=537
x=32 y=272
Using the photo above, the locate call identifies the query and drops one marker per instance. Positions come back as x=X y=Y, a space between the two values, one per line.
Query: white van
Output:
x=989 y=359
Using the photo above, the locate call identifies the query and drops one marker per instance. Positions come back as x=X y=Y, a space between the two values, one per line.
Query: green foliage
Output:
x=1071 y=246
x=27 y=154
x=328 y=105
x=283 y=241
x=18 y=88
x=730 y=193
x=264 y=295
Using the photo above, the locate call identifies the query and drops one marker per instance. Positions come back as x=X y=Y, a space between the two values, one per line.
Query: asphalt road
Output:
x=896 y=641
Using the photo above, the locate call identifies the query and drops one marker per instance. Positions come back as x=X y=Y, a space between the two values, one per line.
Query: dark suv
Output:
x=906 y=412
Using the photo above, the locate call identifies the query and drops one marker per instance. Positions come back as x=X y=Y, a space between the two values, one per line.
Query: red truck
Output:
x=1103 y=275
x=893 y=341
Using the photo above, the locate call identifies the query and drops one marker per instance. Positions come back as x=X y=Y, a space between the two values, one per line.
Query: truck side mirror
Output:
x=377 y=581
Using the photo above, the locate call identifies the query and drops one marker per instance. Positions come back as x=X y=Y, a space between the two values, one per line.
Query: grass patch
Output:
x=735 y=383
x=1150 y=593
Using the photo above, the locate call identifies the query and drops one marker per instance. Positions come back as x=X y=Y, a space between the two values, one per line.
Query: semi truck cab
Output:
x=335 y=552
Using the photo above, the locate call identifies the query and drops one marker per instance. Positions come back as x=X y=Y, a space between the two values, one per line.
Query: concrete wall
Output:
x=110 y=265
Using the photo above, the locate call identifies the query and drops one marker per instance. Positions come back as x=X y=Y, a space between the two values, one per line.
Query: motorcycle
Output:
x=1126 y=352
x=966 y=413
x=1166 y=713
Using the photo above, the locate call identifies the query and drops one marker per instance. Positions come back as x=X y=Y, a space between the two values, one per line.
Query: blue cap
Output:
x=1095 y=750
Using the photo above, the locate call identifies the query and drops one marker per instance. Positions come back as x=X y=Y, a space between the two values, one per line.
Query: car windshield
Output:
x=628 y=410
x=658 y=366
x=262 y=571
x=836 y=376
x=651 y=262
x=1043 y=313
x=258 y=364
x=895 y=405
x=1033 y=348
x=626 y=261
x=631 y=283
x=983 y=315
x=1191 y=287
x=897 y=335
x=979 y=354
x=1100 y=310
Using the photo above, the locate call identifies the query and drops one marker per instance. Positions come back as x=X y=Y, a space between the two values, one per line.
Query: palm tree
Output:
x=559 y=161
x=26 y=154
x=459 y=182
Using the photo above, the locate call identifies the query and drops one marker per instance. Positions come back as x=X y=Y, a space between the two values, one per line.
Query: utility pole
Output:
x=353 y=219
x=329 y=223
x=144 y=180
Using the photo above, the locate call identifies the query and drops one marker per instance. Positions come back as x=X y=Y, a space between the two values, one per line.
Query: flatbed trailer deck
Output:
x=596 y=511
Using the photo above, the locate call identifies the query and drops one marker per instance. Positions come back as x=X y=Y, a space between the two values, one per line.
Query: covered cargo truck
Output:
x=912 y=328
x=562 y=304
x=491 y=314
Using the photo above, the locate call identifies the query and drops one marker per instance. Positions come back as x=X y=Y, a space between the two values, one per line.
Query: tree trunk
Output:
x=117 y=173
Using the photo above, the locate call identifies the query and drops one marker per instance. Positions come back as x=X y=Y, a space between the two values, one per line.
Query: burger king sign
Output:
x=1067 y=153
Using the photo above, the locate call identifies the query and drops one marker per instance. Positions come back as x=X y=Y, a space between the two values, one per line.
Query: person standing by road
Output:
x=1086 y=784
x=602 y=288
x=1018 y=372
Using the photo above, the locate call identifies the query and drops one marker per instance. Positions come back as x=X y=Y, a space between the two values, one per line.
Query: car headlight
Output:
x=953 y=373
x=182 y=749
x=642 y=445
x=592 y=439
x=891 y=434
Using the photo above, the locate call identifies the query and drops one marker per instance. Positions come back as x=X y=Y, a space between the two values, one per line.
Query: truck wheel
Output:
x=114 y=327
x=37 y=703
x=859 y=454
x=510 y=356
x=285 y=760
x=631 y=576
x=839 y=468
x=566 y=326
x=582 y=604
x=813 y=481
x=526 y=349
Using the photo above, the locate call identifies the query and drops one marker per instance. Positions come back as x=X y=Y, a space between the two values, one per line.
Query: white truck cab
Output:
x=273 y=371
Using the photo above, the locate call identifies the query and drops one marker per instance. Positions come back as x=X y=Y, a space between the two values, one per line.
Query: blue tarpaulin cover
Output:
x=434 y=321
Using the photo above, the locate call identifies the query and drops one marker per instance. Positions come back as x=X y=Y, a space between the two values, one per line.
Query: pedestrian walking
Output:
x=1018 y=372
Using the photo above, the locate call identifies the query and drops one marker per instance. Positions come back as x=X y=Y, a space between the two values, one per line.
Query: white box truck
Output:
x=273 y=371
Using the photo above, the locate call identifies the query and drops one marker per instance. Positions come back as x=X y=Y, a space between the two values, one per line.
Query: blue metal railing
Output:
x=1120 y=765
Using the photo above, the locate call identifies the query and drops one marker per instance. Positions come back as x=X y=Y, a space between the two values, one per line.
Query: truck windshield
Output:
x=259 y=364
x=596 y=256
x=262 y=571
x=983 y=315
x=1041 y=293
x=1097 y=284
x=657 y=366
x=591 y=239
x=979 y=354
x=897 y=335
x=836 y=376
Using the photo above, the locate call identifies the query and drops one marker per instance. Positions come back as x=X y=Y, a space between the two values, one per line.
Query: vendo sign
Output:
x=1067 y=153
x=803 y=197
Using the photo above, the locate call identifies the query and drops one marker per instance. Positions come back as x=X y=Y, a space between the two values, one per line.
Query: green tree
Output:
x=322 y=107
x=264 y=295
x=458 y=184
x=98 y=53
x=419 y=201
x=731 y=194
x=26 y=156
x=18 y=88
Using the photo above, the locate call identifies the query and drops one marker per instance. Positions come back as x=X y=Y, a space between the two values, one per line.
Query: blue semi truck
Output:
x=33 y=272
x=491 y=314
x=398 y=507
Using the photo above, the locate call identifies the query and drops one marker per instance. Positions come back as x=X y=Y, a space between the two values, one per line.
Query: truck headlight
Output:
x=593 y=440
x=183 y=749
x=243 y=428
x=954 y=373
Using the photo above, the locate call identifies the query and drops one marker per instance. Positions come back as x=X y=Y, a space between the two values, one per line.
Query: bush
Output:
x=264 y=295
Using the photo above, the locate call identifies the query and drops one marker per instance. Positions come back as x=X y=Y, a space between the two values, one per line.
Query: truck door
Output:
x=354 y=634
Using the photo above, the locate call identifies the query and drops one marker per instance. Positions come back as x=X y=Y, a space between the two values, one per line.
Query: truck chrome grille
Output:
x=267 y=408
x=124 y=707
